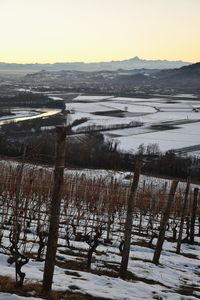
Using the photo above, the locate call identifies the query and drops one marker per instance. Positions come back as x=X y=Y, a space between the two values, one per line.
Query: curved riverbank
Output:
x=28 y=114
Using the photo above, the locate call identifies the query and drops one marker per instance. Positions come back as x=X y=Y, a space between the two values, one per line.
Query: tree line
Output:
x=91 y=150
x=30 y=100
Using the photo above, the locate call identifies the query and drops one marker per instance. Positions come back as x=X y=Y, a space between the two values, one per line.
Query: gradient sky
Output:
x=99 y=30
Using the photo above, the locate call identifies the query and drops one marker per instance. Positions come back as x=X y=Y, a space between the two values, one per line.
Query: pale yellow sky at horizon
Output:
x=98 y=30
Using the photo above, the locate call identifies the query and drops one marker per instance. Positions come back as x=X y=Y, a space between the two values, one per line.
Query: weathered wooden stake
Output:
x=55 y=209
x=163 y=223
x=20 y=170
x=129 y=221
x=178 y=248
x=193 y=218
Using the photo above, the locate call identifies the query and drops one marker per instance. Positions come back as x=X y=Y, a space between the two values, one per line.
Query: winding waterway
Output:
x=28 y=114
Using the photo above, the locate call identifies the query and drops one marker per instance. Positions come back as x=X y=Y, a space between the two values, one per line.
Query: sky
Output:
x=98 y=30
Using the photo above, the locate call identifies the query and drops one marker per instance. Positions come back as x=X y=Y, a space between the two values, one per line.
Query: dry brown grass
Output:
x=8 y=285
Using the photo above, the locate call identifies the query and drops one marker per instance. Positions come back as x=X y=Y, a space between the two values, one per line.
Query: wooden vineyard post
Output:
x=193 y=218
x=129 y=221
x=178 y=248
x=163 y=223
x=16 y=230
x=55 y=209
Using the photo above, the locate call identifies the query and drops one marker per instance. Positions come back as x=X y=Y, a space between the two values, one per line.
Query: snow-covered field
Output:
x=170 y=123
x=184 y=136
x=91 y=98
x=172 y=279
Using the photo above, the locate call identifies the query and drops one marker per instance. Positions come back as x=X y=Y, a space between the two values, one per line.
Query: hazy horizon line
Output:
x=94 y=62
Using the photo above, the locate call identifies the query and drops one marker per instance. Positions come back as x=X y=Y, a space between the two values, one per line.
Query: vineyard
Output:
x=91 y=234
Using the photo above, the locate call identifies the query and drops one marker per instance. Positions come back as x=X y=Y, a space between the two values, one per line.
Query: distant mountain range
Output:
x=193 y=71
x=187 y=76
x=129 y=64
x=186 y=79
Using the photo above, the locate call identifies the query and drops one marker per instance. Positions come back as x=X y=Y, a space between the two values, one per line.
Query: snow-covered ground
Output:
x=183 y=136
x=173 y=279
x=106 y=175
x=182 y=115
x=168 y=280
x=7 y=296
x=91 y=98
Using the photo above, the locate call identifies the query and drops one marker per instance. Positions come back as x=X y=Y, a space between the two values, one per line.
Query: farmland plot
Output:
x=172 y=123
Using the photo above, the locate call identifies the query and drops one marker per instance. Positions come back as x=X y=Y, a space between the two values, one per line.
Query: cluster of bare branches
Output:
x=93 y=210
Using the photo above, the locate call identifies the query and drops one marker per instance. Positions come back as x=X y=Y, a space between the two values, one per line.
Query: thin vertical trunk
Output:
x=140 y=223
x=178 y=248
x=129 y=221
x=55 y=209
x=163 y=223
x=193 y=218
x=16 y=230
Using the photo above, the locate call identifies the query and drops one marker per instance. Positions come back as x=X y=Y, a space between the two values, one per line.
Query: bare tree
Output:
x=14 y=236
